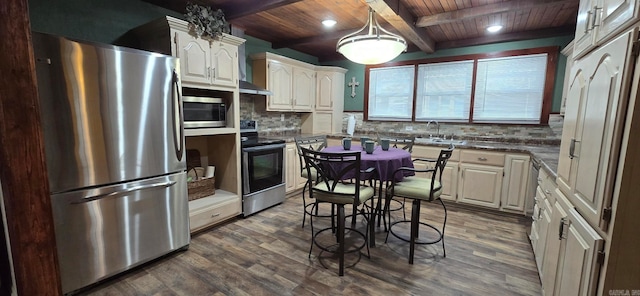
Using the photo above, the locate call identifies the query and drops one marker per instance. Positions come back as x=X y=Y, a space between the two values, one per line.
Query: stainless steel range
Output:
x=263 y=176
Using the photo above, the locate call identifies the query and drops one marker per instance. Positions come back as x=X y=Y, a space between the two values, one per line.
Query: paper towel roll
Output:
x=211 y=170
x=351 y=125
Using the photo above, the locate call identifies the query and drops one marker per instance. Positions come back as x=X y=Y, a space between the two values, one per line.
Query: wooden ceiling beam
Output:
x=518 y=36
x=400 y=17
x=485 y=10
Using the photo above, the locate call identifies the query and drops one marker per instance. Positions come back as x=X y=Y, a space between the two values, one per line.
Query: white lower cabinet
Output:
x=514 y=187
x=208 y=211
x=571 y=264
x=482 y=178
x=291 y=171
x=293 y=178
x=543 y=222
x=480 y=185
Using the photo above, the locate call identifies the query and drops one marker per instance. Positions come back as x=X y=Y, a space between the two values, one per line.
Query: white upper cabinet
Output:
x=293 y=83
x=304 y=89
x=194 y=57
x=600 y=19
x=205 y=62
x=592 y=129
x=326 y=89
x=281 y=85
x=224 y=64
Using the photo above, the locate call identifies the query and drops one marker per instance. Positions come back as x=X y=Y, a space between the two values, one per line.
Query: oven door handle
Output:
x=263 y=148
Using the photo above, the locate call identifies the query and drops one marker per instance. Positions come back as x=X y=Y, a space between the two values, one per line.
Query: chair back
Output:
x=438 y=169
x=315 y=143
x=333 y=169
x=404 y=143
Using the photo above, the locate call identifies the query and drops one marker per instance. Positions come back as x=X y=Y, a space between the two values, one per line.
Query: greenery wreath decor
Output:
x=206 y=21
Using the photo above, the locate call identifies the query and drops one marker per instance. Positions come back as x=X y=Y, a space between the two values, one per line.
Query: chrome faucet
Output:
x=437 y=126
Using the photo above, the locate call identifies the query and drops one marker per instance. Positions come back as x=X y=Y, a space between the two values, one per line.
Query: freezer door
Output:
x=103 y=231
x=110 y=114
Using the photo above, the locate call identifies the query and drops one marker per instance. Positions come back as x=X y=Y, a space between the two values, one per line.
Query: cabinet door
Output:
x=280 y=79
x=578 y=274
x=480 y=185
x=584 y=37
x=325 y=85
x=615 y=14
x=588 y=157
x=514 y=188
x=575 y=96
x=292 y=173
x=553 y=245
x=304 y=89
x=544 y=221
x=323 y=122
x=300 y=181
x=449 y=181
x=224 y=64
x=195 y=63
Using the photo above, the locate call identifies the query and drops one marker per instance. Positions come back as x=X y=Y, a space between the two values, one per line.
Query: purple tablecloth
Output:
x=385 y=162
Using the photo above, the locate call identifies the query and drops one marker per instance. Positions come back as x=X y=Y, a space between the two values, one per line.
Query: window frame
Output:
x=549 y=84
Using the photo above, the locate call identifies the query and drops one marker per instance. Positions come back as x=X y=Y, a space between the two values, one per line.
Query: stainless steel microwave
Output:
x=204 y=112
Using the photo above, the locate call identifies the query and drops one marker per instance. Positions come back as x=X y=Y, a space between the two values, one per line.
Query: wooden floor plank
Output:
x=267 y=254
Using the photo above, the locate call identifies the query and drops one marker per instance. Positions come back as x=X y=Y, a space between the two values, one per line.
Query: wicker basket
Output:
x=201 y=188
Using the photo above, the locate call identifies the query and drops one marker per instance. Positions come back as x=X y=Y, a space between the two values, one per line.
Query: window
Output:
x=505 y=87
x=443 y=91
x=391 y=93
x=510 y=89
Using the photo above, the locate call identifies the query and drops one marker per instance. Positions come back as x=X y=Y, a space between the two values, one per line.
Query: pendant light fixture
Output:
x=372 y=44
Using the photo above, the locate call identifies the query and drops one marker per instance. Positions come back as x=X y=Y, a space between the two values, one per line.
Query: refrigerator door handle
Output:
x=176 y=103
x=124 y=191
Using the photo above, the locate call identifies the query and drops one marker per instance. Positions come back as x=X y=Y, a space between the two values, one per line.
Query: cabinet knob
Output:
x=482 y=158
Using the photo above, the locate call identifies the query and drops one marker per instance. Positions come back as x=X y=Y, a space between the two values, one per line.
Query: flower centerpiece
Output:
x=206 y=21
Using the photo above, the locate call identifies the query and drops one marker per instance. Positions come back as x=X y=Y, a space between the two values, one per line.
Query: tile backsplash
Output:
x=283 y=122
x=460 y=130
x=269 y=121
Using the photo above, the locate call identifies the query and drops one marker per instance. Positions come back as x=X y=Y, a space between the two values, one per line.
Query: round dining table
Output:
x=385 y=162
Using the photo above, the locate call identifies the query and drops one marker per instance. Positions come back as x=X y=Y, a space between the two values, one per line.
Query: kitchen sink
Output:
x=442 y=141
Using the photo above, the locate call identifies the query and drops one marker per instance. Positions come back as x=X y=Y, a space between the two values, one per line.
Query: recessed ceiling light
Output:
x=329 y=23
x=494 y=28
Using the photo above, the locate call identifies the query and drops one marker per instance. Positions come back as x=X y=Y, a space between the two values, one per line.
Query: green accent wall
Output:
x=106 y=21
x=255 y=45
x=357 y=70
x=93 y=20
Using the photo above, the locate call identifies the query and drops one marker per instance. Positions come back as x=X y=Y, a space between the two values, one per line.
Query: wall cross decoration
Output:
x=353 y=85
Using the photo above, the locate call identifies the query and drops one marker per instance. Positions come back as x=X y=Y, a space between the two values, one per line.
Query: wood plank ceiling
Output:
x=428 y=25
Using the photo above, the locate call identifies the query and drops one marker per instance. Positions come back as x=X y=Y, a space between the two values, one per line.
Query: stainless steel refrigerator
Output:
x=112 y=121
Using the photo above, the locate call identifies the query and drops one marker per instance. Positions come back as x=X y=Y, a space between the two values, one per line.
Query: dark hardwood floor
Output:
x=267 y=254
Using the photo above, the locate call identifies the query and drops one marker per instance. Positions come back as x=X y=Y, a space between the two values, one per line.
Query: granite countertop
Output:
x=543 y=153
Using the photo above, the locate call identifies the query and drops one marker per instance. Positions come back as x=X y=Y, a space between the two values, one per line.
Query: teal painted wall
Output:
x=93 y=20
x=255 y=45
x=357 y=70
x=106 y=21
